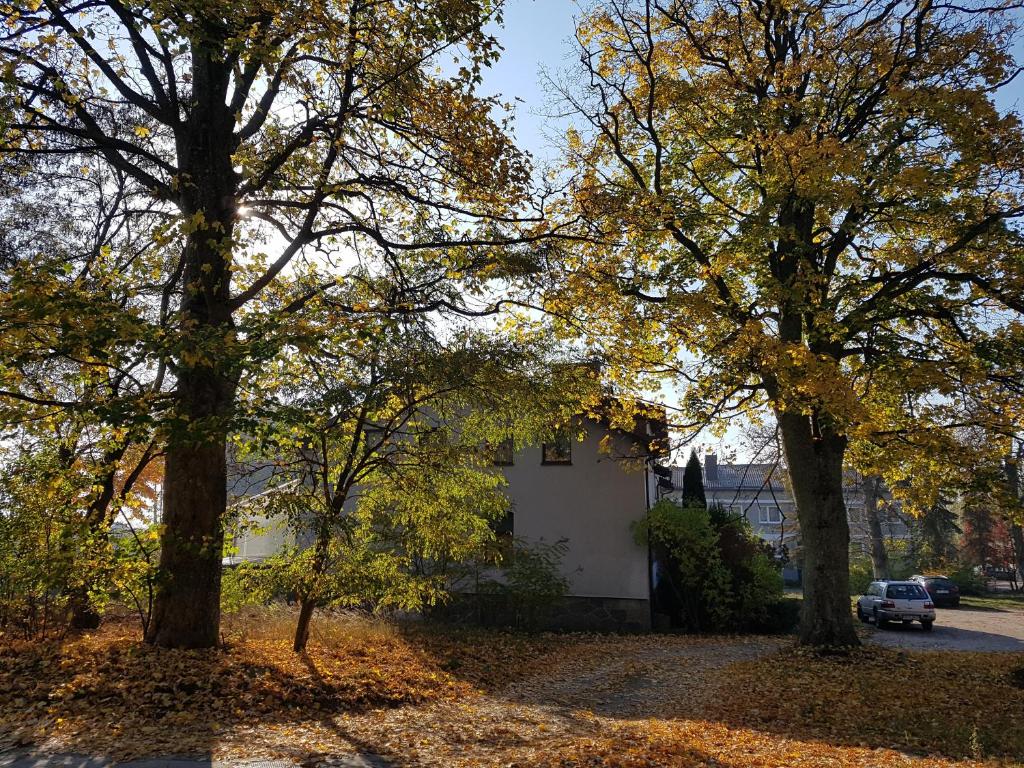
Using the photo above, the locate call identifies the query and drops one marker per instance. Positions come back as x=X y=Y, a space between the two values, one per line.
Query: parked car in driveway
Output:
x=941 y=589
x=905 y=601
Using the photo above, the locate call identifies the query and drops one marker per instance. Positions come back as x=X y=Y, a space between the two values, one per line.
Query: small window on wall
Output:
x=769 y=515
x=559 y=450
x=503 y=454
x=504 y=535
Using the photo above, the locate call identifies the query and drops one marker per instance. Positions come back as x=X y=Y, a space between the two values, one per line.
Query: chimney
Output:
x=711 y=469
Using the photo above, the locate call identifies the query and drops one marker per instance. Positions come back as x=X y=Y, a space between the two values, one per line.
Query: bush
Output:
x=780 y=617
x=862 y=573
x=714 y=574
x=531 y=583
x=970 y=583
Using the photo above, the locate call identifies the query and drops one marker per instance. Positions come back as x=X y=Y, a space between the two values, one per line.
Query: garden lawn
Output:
x=1004 y=601
x=431 y=696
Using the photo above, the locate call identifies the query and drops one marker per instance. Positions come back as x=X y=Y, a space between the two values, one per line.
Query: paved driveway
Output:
x=959 y=629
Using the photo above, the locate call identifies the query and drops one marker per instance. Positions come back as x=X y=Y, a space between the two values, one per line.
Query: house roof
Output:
x=733 y=477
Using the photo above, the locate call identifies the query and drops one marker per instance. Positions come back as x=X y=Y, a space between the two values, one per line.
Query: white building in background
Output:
x=761 y=494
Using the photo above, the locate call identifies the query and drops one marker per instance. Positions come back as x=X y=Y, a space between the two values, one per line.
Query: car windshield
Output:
x=938 y=582
x=906 y=592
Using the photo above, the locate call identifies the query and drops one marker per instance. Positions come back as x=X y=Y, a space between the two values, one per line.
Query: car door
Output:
x=869 y=600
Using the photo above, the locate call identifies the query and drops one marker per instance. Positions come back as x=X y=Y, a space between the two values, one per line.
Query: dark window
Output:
x=906 y=592
x=503 y=453
x=559 y=450
x=504 y=534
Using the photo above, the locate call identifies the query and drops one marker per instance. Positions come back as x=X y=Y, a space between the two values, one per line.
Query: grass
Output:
x=1006 y=601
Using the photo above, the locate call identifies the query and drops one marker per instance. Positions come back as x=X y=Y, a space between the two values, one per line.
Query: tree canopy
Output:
x=269 y=155
x=811 y=208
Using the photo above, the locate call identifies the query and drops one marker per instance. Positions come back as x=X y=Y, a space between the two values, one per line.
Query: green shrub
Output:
x=970 y=583
x=780 y=617
x=531 y=583
x=862 y=573
x=720 y=576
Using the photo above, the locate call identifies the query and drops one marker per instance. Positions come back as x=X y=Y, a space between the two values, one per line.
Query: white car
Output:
x=905 y=601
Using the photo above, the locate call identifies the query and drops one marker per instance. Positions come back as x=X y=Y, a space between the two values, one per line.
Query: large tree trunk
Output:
x=814 y=455
x=879 y=557
x=186 y=611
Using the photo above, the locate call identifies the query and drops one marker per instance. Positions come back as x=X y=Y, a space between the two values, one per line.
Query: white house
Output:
x=586 y=493
x=590 y=495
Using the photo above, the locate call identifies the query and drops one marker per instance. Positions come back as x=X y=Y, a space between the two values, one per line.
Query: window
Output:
x=503 y=453
x=769 y=515
x=504 y=535
x=559 y=450
x=906 y=592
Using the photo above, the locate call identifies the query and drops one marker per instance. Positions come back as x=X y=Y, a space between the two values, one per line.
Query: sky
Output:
x=537 y=34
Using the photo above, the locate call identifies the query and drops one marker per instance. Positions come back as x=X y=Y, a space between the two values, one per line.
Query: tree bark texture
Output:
x=306 y=607
x=186 y=611
x=879 y=557
x=814 y=455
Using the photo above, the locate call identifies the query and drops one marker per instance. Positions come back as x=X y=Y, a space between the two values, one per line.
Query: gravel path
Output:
x=959 y=629
x=586 y=691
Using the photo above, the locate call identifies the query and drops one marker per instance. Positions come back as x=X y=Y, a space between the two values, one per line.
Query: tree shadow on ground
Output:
x=108 y=694
x=946 y=638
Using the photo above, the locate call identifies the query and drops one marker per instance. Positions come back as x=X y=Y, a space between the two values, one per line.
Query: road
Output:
x=959 y=629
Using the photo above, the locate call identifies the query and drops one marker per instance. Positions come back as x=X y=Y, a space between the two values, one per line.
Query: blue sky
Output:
x=537 y=34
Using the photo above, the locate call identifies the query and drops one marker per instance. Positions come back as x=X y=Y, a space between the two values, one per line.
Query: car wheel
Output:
x=880 y=622
x=861 y=615
x=927 y=625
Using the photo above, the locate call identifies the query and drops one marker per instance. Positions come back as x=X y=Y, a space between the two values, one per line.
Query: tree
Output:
x=816 y=200
x=693 y=482
x=939 y=531
x=77 y=313
x=272 y=137
x=879 y=555
x=380 y=439
x=1015 y=504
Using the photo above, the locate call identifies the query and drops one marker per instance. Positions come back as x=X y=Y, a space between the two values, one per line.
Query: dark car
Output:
x=943 y=591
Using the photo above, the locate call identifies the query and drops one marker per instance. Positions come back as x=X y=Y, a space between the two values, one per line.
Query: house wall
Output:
x=590 y=503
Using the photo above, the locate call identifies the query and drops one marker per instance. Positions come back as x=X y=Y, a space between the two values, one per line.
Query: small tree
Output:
x=380 y=438
x=693 y=482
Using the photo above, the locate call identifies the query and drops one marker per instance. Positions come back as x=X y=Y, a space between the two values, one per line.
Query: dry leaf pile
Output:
x=439 y=697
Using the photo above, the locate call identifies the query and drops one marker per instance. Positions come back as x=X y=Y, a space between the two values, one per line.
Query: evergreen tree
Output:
x=939 y=530
x=693 y=483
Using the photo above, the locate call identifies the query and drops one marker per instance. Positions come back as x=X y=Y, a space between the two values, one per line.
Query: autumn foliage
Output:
x=424 y=696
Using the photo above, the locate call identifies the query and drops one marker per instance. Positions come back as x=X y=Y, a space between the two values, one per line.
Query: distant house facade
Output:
x=586 y=492
x=761 y=494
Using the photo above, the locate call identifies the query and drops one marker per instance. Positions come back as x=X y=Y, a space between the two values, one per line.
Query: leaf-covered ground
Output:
x=443 y=697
